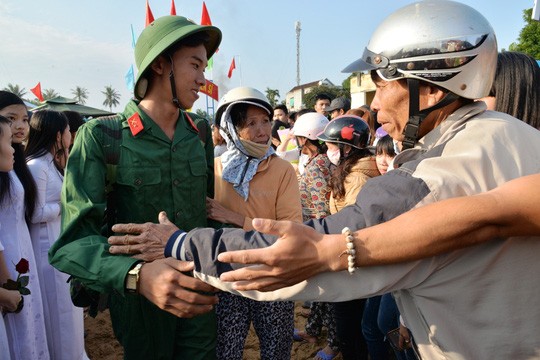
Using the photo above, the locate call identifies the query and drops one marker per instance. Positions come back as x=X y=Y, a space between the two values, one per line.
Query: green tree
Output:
x=346 y=84
x=273 y=96
x=112 y=97
x=81 y=94
x=332 y=91
x=15 y=89
x=203 y=114
x=50 y=94
x=529 y=37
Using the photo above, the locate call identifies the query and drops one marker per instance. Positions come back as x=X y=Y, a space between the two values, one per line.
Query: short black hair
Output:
x=194 y=40
x=282 y=107
x=385 y=146
x=323 y=96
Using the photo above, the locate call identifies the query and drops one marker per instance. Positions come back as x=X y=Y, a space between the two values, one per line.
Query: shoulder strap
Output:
x=112 y=140
x=112 y=137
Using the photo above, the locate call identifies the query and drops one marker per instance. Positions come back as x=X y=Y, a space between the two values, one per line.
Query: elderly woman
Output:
x=251 y=181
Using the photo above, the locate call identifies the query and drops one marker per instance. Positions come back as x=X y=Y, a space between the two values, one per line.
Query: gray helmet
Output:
x=442 y=42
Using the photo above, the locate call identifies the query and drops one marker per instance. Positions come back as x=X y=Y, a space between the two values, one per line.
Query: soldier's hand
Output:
x=164 y=283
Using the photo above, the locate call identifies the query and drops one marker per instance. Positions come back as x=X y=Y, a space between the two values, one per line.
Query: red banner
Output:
x=210 y=89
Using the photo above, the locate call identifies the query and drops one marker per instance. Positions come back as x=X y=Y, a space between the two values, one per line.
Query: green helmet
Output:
x=160 y=35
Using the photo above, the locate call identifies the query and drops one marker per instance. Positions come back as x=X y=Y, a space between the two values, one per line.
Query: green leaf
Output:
x=24 y=291
x=23 y=281
x=11 y=285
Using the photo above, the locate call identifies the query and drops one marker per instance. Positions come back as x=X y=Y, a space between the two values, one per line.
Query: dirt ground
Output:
x=101 y=344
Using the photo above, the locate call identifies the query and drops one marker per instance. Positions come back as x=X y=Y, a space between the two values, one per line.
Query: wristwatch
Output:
x=132 y=278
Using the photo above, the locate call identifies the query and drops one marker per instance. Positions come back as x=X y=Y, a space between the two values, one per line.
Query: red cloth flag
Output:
x=210 y=89
x=231 y=68
x=205 y=19
x=149 y=15
x=36 y=90
x=173 y=8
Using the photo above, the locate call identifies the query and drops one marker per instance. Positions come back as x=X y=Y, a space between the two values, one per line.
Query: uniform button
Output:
x=173 y=149
x=138 y=182
x=176 y=182
x=178 y=214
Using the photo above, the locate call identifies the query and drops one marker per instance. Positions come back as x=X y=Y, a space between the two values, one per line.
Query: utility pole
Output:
x=298 y=29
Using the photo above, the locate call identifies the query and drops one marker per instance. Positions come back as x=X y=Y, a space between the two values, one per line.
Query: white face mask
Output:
x=334 y=156
x=302 y=161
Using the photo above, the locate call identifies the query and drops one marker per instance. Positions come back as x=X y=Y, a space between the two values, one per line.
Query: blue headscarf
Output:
x=238 y=167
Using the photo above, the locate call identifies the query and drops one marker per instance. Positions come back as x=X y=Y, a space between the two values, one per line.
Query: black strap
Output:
x=416 y=117
x=412 y=127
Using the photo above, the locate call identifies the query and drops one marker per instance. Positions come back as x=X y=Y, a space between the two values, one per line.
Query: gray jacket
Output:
x=475 y=303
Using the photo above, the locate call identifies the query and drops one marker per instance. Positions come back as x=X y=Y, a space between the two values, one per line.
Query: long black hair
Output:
x=340 y=173
x=516 y=87
x=44 y=128
x=19 y=166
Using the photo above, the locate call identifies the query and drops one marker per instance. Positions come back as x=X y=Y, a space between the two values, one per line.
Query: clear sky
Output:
x=67 y=43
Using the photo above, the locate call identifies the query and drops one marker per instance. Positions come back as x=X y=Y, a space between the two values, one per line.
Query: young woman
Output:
x=10 y=300
x=315 y=196
x=26 y=330
x=46 y=154
x=250 y=181
x=347 y=138
x=385 y=153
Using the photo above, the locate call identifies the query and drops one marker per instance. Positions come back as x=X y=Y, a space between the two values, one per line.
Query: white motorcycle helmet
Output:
x=442 y=42
x=244 y=93
x=310 y=125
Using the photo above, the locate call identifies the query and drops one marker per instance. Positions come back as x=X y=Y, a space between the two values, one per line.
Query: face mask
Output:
x=254 y=149
x=334 y=156
x=302 y=161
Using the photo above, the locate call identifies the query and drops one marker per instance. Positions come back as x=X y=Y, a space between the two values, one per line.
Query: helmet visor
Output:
x=442 y=55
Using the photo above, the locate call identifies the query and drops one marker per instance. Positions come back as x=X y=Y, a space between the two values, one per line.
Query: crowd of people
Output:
x=407 y=226
x=30 y=190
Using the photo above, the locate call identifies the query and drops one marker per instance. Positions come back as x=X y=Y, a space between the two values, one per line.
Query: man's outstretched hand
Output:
x=298 y=254
x=143 y=241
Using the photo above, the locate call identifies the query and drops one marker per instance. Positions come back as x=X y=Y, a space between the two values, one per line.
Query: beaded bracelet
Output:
x=350 y=249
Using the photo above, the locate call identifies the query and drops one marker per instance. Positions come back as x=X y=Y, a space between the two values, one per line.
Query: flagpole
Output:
x=240 y=68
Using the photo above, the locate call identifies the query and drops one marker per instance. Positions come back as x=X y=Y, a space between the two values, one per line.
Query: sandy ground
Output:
x=101 y=344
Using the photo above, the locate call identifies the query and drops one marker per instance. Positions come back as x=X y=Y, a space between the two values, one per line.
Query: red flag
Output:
x=210 y=89
x=149 y=15
x=231 y=68
x=37 y=91
x=205 y=19
x=173 y=8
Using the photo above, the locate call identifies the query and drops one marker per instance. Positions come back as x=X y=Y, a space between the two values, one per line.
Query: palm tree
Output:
x=81 y=94
x=272 y=95
x=50 y=94
x=111 y=97
x=15 y=89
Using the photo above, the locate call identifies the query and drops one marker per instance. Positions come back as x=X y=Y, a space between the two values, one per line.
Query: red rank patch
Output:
x=135 y=124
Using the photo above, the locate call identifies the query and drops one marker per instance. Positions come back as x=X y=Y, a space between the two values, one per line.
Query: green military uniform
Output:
x=153 y=174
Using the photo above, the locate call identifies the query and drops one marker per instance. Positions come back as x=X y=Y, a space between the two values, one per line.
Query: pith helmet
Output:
x=161 y=34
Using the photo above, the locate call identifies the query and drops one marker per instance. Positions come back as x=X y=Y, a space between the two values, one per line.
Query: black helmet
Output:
x=347 y=130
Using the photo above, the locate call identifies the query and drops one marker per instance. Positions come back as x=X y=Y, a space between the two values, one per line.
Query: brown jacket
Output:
x=363 y=170
x=273 y=192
